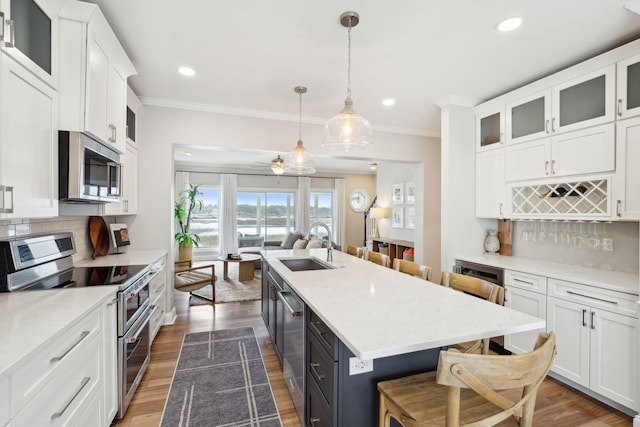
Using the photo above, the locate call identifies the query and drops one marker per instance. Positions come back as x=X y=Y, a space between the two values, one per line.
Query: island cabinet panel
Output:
x=272 y=307
x=335 y=398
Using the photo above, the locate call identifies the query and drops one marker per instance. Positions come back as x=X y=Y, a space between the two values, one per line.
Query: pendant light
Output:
x=299 y=161
x=277 y=165
x=348 y=131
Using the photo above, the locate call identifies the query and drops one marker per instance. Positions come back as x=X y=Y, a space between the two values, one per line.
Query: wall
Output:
x=77 y=224
x=355 y=220
x=462 y=232
x=624 y=256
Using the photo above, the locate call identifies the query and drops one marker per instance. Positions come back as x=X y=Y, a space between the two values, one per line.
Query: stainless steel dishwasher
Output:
x=293 y=346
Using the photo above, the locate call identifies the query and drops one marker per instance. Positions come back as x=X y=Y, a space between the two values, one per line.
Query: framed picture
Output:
x=411 y=218
x=398 y=195
x=397 y=217
x=410 y=188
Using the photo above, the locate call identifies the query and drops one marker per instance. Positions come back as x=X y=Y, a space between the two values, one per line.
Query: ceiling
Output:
x=249 y=54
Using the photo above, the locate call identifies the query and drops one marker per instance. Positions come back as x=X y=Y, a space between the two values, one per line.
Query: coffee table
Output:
x=246 y=267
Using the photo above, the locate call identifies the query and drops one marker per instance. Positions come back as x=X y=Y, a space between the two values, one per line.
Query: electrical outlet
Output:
x=607 y=244
x=360 y=366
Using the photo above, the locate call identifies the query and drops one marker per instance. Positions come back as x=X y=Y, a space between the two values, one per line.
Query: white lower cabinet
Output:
x=597 y=339
x=69 y=382
x=526 y=293
x=157 y=295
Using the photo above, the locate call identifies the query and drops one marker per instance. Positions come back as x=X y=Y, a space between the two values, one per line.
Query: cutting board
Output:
x=99 y=236
x=505 y=236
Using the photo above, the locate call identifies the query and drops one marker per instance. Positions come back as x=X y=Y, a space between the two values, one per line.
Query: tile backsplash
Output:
x=623 y=236
x=76 y=224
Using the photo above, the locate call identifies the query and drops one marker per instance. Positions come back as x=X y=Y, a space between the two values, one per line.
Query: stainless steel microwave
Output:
x=89 y=172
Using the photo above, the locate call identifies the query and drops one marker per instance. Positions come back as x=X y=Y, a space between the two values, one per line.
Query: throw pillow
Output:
x=300 y=244
x=288 y=242
x=315 y=243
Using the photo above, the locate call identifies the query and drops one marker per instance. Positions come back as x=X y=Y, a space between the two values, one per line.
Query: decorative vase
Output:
x=491 y=242
x=185 y=253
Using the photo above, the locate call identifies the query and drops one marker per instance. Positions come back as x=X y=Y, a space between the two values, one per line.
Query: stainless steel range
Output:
x=39 y=262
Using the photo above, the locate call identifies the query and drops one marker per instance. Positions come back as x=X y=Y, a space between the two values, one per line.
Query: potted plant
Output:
x=182 y=211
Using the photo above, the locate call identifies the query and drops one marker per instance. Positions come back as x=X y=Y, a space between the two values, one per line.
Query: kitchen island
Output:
x=395 y=324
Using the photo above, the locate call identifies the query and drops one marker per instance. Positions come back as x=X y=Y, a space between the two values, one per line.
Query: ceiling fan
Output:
x=276 y=165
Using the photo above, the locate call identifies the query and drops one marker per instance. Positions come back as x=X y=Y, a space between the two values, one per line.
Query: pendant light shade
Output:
x=299 y=161
x=348 y=131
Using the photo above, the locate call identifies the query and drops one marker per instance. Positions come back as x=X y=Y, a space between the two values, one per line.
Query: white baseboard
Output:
x=170 y=317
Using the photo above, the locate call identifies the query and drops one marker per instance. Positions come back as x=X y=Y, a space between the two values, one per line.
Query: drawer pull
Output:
x=318 y=331
x=315 y=371
x=83 y=383
x=515 y=279
x=590 y=297
x=83 y=335
x=314 y=420
x=584 y=311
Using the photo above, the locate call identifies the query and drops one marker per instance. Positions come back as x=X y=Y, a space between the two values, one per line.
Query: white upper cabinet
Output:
x=575 y=104
x=27 y=34
x=490 y=187
x=587 y=151
x=28 y=149
x=628 y=99
x=93 y=78
x=627 y=190
x=490 y=126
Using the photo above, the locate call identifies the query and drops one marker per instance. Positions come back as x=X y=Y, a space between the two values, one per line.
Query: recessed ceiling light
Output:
x=388 y=102
x=509 y=24
x=187 y=153
x=373 y=166
x=186 y=71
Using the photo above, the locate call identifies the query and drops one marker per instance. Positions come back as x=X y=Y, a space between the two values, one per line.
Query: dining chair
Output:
x=479 y=288
x=412 y=268
x=377 y=258
x=189 y=278
x=354 y=250
x=470 y=389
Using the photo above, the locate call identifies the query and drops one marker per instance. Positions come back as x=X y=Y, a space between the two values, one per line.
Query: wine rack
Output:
x=577 y=199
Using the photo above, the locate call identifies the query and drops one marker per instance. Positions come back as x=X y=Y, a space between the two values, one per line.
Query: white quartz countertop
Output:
x=128 y=258
x=32 y=319
x=378 y=312
x=612 y=280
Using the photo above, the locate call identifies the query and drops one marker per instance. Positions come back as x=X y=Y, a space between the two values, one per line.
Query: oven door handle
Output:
x=134 y=333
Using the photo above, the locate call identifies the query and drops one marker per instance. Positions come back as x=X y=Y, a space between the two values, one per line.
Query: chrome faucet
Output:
x=326 y=227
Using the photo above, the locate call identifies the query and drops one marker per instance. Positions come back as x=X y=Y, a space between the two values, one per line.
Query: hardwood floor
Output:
x=556 y=405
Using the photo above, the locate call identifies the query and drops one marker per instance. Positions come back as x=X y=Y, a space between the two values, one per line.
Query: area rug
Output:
x=220 y=380
x=230 y=290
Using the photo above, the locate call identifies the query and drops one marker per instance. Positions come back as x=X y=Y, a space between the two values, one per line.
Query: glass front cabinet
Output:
x=628 y=99
x=490 y=126
x=576 y=104
x=26 y=34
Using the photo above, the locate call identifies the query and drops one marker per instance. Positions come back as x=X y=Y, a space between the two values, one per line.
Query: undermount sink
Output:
x=305 y=264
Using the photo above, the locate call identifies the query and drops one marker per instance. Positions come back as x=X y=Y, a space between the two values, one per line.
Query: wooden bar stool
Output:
x=478 y=288
x=378 y=258
x=354 y=250
x=412 y=268
x=470 y=389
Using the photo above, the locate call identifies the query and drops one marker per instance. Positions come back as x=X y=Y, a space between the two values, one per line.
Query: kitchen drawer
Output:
x=322 y=332
x=616 y=302
x=320 y=368
x=31 y=377
x=5 y=403
x=157 y=286
x=156 y=318
x=64 y=398
x=318 y=411
x=526 y=281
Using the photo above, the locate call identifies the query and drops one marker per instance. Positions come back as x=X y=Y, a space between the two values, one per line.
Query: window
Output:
x=271 y=215
x=205 y=221
x=321 y=209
